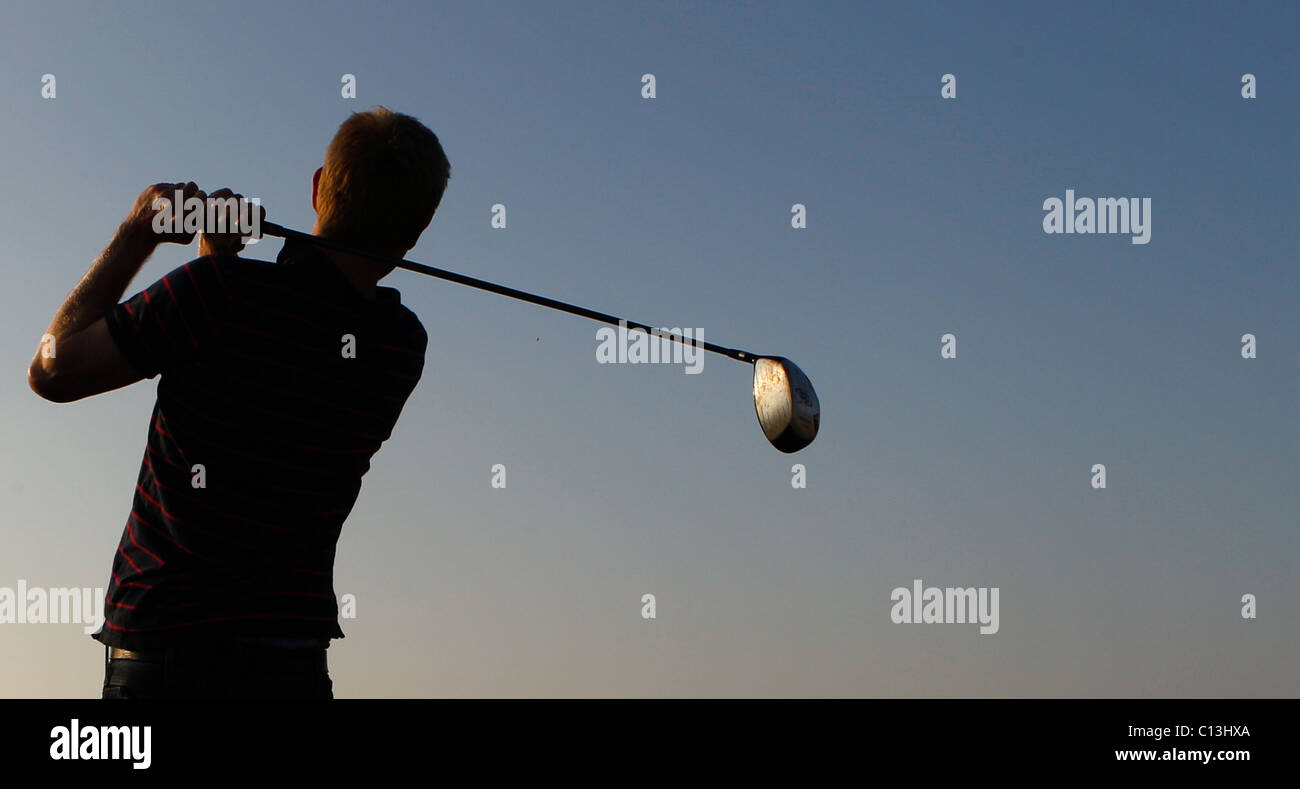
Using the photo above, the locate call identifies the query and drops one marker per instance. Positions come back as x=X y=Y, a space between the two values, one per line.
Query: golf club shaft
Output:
x=272 y=229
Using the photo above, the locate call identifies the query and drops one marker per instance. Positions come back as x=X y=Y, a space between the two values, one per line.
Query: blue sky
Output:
x=924 y=218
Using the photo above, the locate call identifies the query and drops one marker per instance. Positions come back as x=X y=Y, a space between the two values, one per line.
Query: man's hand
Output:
x=229 y=243
x=140 y=222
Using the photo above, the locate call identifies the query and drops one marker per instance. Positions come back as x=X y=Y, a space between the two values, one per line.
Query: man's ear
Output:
x=315 y=186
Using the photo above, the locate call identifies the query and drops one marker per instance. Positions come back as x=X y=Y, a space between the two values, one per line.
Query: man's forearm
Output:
x=103 y=285
x=78 y=356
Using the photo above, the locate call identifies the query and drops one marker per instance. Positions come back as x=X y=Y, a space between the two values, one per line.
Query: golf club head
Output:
x=786 y=404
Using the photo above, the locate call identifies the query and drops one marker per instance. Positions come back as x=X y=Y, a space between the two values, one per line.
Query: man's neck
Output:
x=364 y=273
x=360 y=272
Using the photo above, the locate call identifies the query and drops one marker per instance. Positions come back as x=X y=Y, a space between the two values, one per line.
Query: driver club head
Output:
x=786 y=404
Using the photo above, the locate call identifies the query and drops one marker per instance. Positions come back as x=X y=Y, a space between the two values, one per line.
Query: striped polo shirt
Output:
x=277 y=384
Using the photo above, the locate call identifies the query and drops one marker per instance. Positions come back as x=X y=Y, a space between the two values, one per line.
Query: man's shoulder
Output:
x=408 y=323
x=239 y=265
x=226 y=271
x=253 y=278
x=250 y=277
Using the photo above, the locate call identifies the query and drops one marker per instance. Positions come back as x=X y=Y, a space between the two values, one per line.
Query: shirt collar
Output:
x=302 y=253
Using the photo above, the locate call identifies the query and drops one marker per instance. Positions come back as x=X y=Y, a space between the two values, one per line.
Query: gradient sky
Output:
x=924 y=217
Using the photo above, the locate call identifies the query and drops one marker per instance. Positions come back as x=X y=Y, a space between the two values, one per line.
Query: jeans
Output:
x=230 y=670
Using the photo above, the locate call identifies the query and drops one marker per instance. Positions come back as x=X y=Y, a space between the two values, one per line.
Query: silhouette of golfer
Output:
x=277 y=384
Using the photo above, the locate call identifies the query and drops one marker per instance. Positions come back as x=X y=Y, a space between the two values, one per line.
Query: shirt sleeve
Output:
x=170 y=321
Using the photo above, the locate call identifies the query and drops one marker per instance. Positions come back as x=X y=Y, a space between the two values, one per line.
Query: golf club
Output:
x=784 y=398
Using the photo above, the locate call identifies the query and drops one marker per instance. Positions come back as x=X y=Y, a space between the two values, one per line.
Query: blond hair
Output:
x=383 y=178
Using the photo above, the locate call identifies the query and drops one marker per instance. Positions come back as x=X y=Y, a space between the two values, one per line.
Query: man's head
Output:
x=383 y=178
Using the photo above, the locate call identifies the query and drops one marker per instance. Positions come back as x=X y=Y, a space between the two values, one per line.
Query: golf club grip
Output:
x=272 y=229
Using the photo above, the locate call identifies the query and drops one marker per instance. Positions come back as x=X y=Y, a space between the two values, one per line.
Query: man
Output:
x=278 y=383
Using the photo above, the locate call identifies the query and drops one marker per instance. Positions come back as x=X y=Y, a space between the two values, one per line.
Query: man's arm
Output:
x=77 y=356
